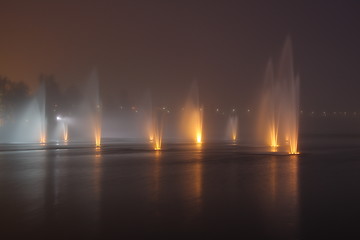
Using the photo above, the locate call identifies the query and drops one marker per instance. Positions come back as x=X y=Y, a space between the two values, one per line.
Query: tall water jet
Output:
x=97 y=118
x=269 y=114
x=149 y=117
x=66 y=132
x=97 y=125
x=64 y=128
x=199 y=125
x=279 y=108
x=192 y=116
x=290 y=98
x=91 y=110
x=232 y=128
x=41 y=100
x=157 y=129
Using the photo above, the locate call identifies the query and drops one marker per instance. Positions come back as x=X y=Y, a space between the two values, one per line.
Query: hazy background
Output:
x=164 y=45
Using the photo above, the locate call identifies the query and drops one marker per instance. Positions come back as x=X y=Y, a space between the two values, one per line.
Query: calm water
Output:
x=216 y=190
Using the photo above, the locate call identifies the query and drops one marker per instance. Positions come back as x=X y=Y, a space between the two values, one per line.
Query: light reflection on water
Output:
x=156 y=174
x=283 y=200
x=97 y=173
x=193 y=181
x=186 y=189
x=198 y=180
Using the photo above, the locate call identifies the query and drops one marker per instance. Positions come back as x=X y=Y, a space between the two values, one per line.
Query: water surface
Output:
x=186 y=191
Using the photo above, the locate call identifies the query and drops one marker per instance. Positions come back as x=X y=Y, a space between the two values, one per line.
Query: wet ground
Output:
x=186 y=191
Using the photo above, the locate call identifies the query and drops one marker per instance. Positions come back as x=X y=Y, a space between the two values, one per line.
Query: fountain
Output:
x=269 y=114
x=66 y=132
x=290 y=101
x=277 y=125
x=97 y=125
x=232 y=127
x=148 y=117
x=64 y=128
x=154 y=125
x=157 y=129
x=279 y=108
x=41 y=100
x=96 y=107
x=90 y=111
x=192 y=116
x=30 y=126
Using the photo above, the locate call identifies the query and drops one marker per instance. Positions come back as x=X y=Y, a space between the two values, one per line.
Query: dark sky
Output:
x=164 y=45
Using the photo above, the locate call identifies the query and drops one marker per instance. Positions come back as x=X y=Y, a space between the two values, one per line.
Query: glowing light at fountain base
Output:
x=42 y=139
x=274 y=148
x=156 y=131
x=232 y=128
x=97 y=125
x=294 y=153
x=294 y=149
x=97 y=141
x=273 y=136
x=97 y=136
x=293 y=142
x=198 y=124
x=66 y=133
x=198 y=138
x=157 y=142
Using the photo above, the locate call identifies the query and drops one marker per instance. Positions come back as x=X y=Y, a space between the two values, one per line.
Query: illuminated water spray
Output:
x=233 y=126
x=290 y=98
x=157 y=129
x=192 y=116
x=41 y=100
x=94 y=107
x=198 y=121
x=279 y=110
x=149 y=117
x=269 y=119
x=66 y=132
x=97 y=124
x=64 y=127
x=154 y=122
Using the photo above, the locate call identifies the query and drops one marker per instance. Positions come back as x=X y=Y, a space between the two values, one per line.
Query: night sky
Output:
x=164 y=45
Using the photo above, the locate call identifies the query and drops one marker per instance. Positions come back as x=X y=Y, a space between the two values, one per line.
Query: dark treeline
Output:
x=14 y=97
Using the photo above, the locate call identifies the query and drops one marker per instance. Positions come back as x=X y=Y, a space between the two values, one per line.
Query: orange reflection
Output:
x=283 y=190
x=156 y=172
x=273 y=178
x=97 y=174
x=196 y=180
x=293 y=179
